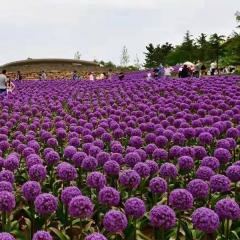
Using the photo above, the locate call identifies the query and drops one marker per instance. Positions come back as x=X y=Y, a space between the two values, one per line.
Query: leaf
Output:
x=59 y=234
x=18 y=235
x=139 y=233
x=235 y=235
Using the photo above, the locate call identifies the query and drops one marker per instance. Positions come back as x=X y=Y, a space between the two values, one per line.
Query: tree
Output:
x=188 y=45
x=77 y=56
x=202 y=46
x=137 y=63
x=124 y=59
x=237 y=14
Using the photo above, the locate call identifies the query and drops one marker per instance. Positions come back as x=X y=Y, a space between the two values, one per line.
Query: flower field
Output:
x=130 y=159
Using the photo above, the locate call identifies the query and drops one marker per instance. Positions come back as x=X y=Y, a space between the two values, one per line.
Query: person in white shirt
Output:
x=168 y=71
x=212 y=69
x=91 y=78
x=3 y=82
x=44 y=76
x=180 y=71
x=149 y=75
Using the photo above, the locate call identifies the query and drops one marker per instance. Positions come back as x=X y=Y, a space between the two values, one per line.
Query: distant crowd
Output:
x=6 y=85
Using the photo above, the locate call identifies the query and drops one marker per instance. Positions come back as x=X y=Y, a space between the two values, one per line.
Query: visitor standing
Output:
x=212 y=69
x=155 y=72
x=110 y=74
x=74 y=76
x=180 y=71
x=3 y=82
x=121 y=75
x=44 y=76
x=196 y=71
x=185 y=72
x=79 y=78
x=168 y=71
x=91 y=78
x=203 y=69
x=10 y=85
x=149 y=75
x=160 y=69
x=19 y=76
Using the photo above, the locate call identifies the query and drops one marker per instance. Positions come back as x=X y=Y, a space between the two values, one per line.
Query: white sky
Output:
x=100 y=28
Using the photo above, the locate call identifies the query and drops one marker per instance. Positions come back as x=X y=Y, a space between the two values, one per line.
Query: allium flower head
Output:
x=205 y=138
x=7 y=176
x=6 y=236
x=37 y=173
x=168 y=170
x=46 y=204
x=95 y=236
x=160 y=154
x=109 y=196
x=142 y=169
x=111 y=168
x=69 y=193
x=204 y=173
x=42 y=235
x=211 y=162
x=102 y=157
x=181 y=199
x=233 y=173
x=30 y=190
x=200 y=152
x=223 y=155
x=7 y=201
x=6 y=186
x=78 y=157
x=158 y=185
x=132 y=159
x=227 y=209
x=185 y=163
x=69 y=152
x=52 y=157
x=135 y=207
x=130 y=179
x=66 y=171
x=198 y=188
x=33 y=159
x=220 y=183
x=89 y=164
x=153 y=166
x=96 y=180
x=11 y=163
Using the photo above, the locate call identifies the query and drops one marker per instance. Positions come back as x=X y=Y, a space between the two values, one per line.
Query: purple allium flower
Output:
x=28 y=151
x=232 y=143
x=153 y=166
x=117 y=148
x=66 y=171
x=142 y=169
x=103 y=157
x=205 y=138
x=130 y=179
x=89 y=164
x=6 y=236
x=34 y=145
x=158 y=185
x=150 y=138
x=135 y=207
x=181 y=199
x=37 y=172
x=30 y=190
x=7 y=201
x=106 y=137
x=81 y=207
x=61 y=134
x=109 y=196
x=220 y=183
x=223 y=143
x=111 y=168
x=232 y=133
x=233 y=173
x=117 y=157
x=75 y=142
x=69 y=193
x=42 y=235
x=4 y=146
x=52 y=142
x=130 y=150
x=7 y=176
x=132 y=159
x=175 y=152
x=114 y=221
x=205 y=173
x=186 y=163
x=160 y=154
x=227 y=209
x=69 y=152
x=11 y=163
x=206 y=220
x=96 y=180
x=94 y=151
x=6 y=186
x=211 y=162
x=95 y=236
x=46 y=151
x=223 y=155
x=178 y=138
x=150 y=148
x=168 y=170
x=78 y=157
x=21 y=147
x=52 y=157
x=136 y=142
x=33 y=159
x=46 y=204
x=142 y=154
x=200 y=152
x=198 y=188
x=187 y=151
x=161 y=141
x=162 y=217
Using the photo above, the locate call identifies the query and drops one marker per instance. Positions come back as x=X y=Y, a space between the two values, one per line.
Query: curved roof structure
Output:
x=50 y=60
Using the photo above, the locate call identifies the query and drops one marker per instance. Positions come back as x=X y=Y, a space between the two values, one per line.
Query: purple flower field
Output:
x=130 y=159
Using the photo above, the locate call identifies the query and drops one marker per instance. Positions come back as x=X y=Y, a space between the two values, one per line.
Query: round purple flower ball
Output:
x=198 y=188
x=233 y=173
x=114 y=221
x=109 y=196
x=7 y=201
x=227 y=209
x=130 y=179
x=117 y=157
x=81 y=207
x=158 y=185
x=28 y=151
x=211 y=162
x=136 y=142
x=223 y=143
x=46 y=204
x=142 y=169
x=52 y=157
x=52 y=142
x=75 y=142
x=7 y=176
x=11 y=163
x=162 y=217
x=69 y=193
x=205 y=138
x=78 y=157
x=30 y=190
x=160 y=154
x=66 y=171
x=232 y=133
x=89 y=164
x=206 y=220
x=37 y=173
x=185 y=163
x=42 y=235
x=223 y=155
x=96 y=180
x=6 y=236
x=178 y=138
x=168 y=170
x=181 y=199
x=132 y=159
x=153 y=166
x=200 y=152
x=135 y=207
x=103 y=157
x=69 y=152
x=33 y=159
x=204 y=173
x=6 y=186
x=220 y=183
x=111 y=168
x=95 y=236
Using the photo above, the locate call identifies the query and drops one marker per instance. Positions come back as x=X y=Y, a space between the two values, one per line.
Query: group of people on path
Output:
x=161 y=71
x=6 y=85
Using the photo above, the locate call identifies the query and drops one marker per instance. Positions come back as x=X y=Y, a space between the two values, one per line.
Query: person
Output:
x=19 y=76
x=10 y=85
x=79 y=78
x=121 y=75
x=168 y=71
x=160 y=69
x=149 y=75
x=196 y=70
x=185 y=72
x=203 y=69
x=91 y=78
x=44 y=76
x=212 y=69
x=180 y=71
x=3 y=82
x=74 y=76
x=101 y=77
x=110 y=74
x=155 y=70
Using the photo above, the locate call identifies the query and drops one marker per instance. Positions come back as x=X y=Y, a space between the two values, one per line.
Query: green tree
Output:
x=202 y=46
x=188 y=46
x=124 y=59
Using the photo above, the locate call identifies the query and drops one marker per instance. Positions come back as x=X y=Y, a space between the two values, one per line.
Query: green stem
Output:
x=66 y=215
x=4 y=216
x=155 y=233
x=210 y=197
x=168 y=191
x=162 y=233
x=32 y=218
x=129 y=192
x=179 y=223
x=51 y=177
x=81 y=235
x=79 y=177
x=46 y=223
x=236 y=192
x=135 y=229
x=228 y=230
x=71 y=233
